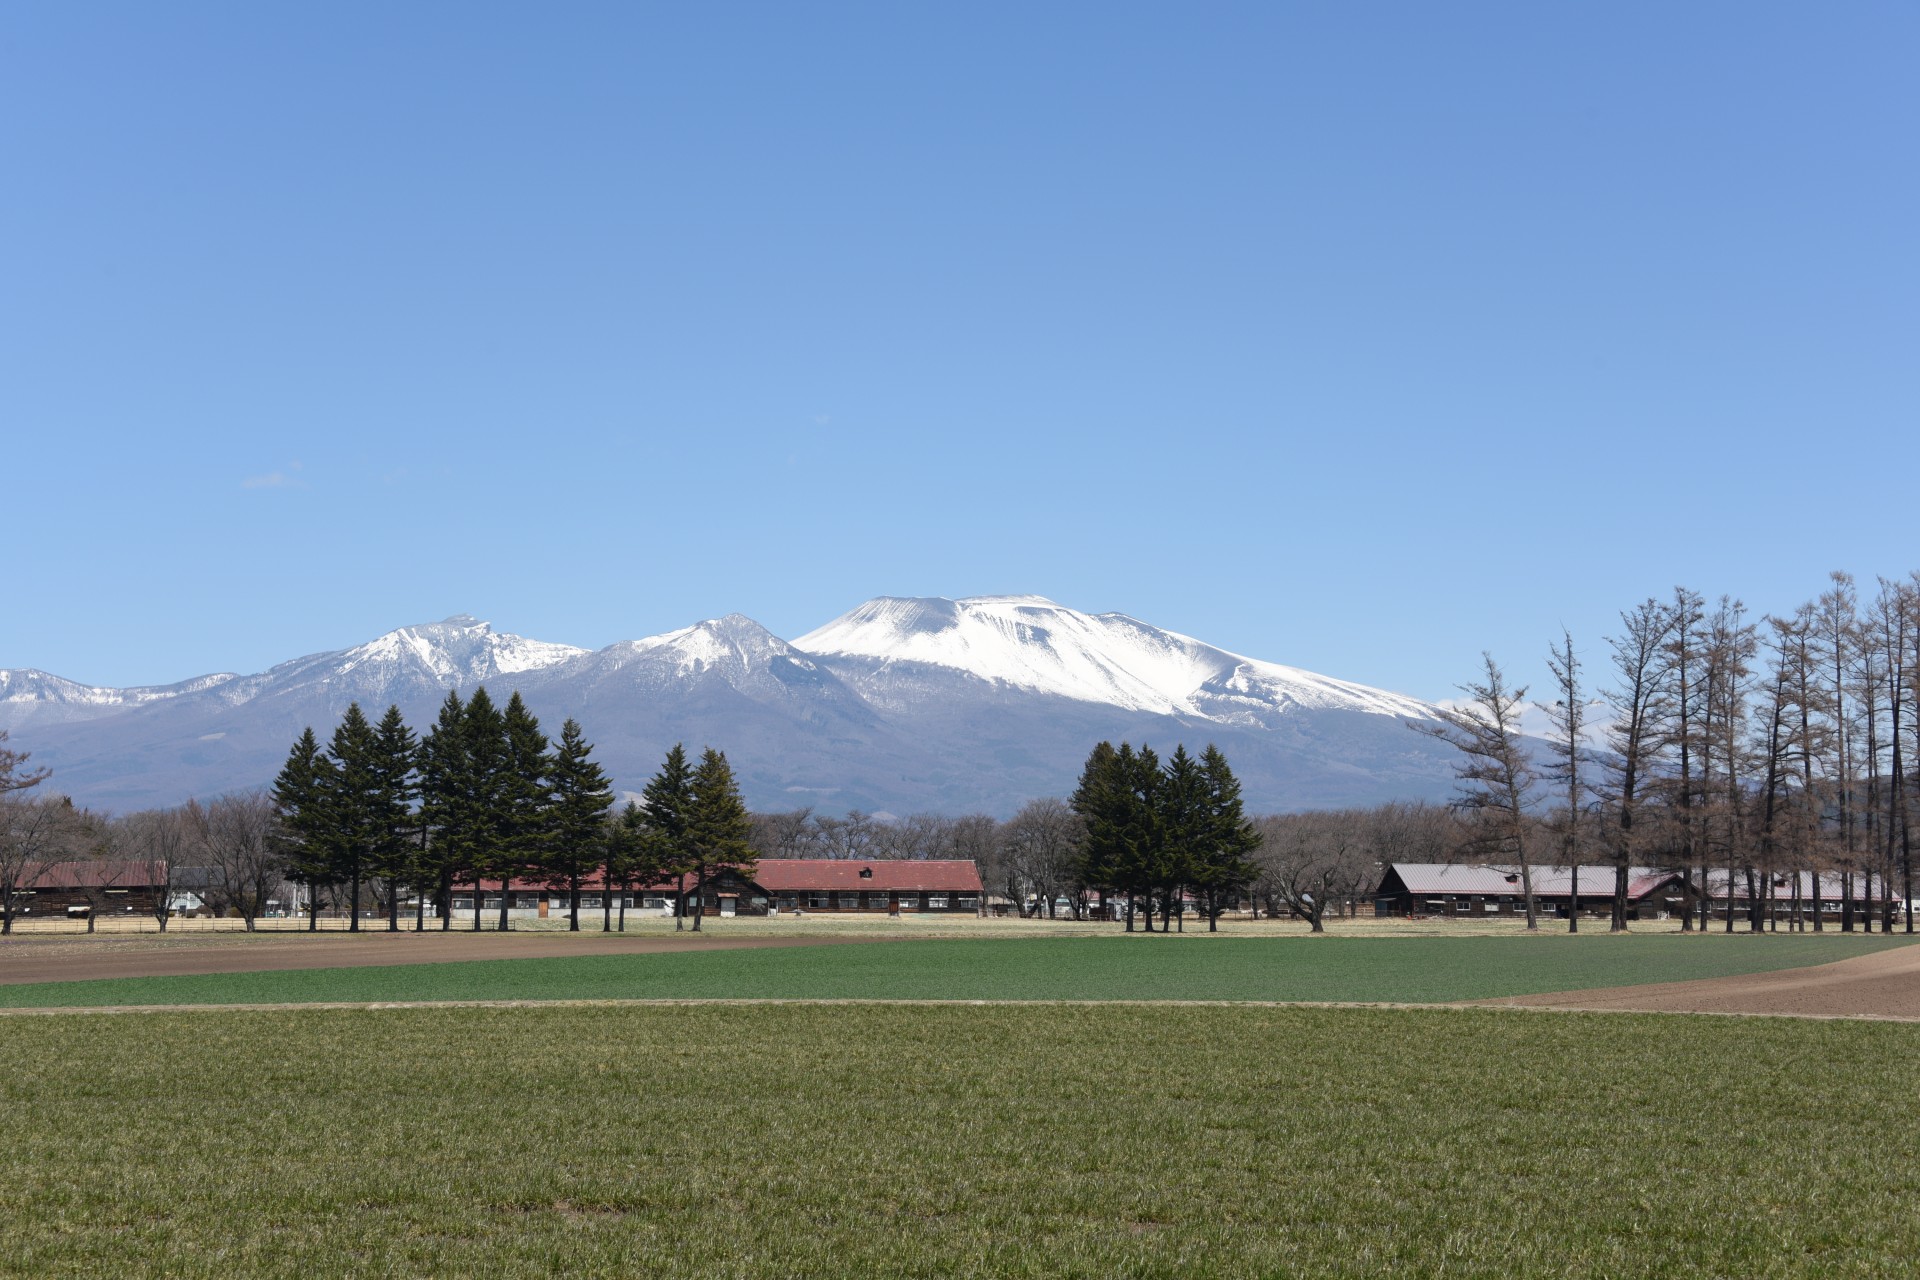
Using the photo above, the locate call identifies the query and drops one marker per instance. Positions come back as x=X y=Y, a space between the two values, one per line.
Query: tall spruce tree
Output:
x=577 y=833
x=528 y=808
x=304 y=831
x=718 y=826
x=1221 y=858
x=447 y=836
x=1124 y=842
x=1183 y=821
x=353 y=804
x=395 y=849
x=488 y=799
x=667 y=799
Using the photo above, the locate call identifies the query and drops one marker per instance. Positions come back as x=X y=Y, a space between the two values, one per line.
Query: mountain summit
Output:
x=899 y=705
x=1034 y=644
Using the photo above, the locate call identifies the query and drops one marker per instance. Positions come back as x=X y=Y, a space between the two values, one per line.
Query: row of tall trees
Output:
x=1154 y=832
x=1748 y=753
x=484 y=796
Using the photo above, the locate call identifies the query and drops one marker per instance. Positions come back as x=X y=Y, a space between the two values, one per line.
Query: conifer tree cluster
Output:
x=1155 y=832
x=482 y=796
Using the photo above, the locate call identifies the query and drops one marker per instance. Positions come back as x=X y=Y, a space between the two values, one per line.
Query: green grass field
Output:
x=956 y=1140
x=1108 y=968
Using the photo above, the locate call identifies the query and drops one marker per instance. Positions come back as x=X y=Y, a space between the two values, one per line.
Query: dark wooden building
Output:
x=1475 y=891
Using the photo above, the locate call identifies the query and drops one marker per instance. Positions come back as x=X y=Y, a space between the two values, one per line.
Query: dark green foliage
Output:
x=717 y=824
x=1222 y=842
x=305 y=830
x=527 y=836
x=353 y=803
x=394 y=849
x=575 y=826
x=490 y=792
x=667 y=799
x=446 y=816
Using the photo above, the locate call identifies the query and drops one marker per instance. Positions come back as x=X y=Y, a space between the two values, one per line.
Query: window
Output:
x=1464 y=905
x=527 y=901
x=969 y=902
x=587 y=903
x=491 y=904
x=909 y=902
x=789 y=901
x=849 y=900
x=463 y=904
x=936 y=902
x=1493 y=906
x=819 y=898
x=877 y=900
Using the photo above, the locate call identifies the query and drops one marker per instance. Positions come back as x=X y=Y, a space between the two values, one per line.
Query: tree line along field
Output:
x=823 y=1140
x=1117 y=968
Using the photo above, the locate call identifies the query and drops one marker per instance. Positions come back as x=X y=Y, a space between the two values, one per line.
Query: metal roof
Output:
x=1501 y=880
x=803 y=875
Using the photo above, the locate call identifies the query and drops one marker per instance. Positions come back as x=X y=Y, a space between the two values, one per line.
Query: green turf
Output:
x=1146 y=968
x=827 y=1141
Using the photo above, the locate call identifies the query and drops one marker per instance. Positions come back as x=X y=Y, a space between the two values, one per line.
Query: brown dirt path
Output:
x=1885 y=984
x=30 y=962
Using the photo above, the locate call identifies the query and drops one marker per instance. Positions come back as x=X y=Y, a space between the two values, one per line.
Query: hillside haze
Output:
x=900 y=705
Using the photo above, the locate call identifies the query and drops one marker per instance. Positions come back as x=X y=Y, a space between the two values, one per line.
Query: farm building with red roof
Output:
x=879 y=885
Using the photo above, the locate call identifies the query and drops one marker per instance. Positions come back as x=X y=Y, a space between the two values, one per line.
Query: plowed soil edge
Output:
x=1885 y=984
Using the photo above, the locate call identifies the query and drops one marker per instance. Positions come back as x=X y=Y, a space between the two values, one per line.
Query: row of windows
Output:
x=788 y=901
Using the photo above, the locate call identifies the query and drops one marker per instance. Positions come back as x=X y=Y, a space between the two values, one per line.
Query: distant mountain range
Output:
x=902 y=705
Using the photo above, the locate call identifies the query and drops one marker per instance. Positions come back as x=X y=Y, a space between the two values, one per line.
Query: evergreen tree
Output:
x=300 y=795
x=487 y=806
x=577 y=828
x=528 y=804
x=1221 y=863
x=445 y=784
x=394 y=850
x=353 y=804
x=1183 y=824
x=667 y=799
x=634 y=851
x=718 y=826
x=1118 y=801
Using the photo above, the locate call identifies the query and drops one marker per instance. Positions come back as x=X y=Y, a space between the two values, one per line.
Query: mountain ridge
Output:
x=901 y=703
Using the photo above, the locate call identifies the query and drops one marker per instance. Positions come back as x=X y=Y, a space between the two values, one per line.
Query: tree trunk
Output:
x=353 y=907
x=505 y=900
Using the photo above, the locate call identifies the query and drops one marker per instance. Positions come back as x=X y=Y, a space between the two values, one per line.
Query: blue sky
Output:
x=1359 y=337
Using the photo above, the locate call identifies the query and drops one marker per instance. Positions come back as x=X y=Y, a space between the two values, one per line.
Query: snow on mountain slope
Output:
x=460 y=648
x=1031 y=643
x=29 y=697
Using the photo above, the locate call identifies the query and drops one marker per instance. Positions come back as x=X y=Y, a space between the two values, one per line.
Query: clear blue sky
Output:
x=1360 y=337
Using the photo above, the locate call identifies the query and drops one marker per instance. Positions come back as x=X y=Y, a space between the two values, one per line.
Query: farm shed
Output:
x=1479 y=890
x=879 y=885
x=89 y=885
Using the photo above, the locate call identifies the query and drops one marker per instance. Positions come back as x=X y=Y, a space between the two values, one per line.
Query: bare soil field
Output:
x=70 y=959
x=1885 y=984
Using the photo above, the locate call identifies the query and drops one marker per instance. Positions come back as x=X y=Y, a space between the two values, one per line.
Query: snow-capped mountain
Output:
x=1031 y=644
x=899 y=705
x=34 y=697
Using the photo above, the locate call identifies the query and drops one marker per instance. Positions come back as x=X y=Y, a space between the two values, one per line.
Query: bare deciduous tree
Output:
x=237 y=833
x=1496 y=777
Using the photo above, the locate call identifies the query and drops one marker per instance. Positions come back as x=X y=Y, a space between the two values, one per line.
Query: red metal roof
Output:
x=99 y=873
x=802 y=875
